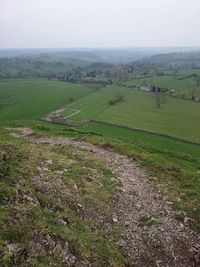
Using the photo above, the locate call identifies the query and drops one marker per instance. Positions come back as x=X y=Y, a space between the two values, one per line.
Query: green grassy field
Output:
x=182 y=72
x=138 y=110
x=31 y=99
x=61 y=202
x=143 y=139
x=175 y=163
x=181 y=86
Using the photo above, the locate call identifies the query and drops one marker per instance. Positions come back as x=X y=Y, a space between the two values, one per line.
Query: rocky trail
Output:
x=152 y=236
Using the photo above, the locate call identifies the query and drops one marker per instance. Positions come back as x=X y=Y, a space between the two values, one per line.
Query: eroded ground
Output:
x=94 y=207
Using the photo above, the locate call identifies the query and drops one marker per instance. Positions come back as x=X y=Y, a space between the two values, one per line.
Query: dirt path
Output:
x=152 y=236
x=73 y=114
x=58 y=113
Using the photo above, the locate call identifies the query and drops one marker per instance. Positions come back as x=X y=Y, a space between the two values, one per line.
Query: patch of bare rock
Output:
x=41 y=244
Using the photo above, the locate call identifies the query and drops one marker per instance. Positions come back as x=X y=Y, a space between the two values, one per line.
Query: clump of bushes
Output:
x=118 y=98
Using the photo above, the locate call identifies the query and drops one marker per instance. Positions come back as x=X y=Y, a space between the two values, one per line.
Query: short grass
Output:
x=147 y=221
x=176 y=117
x=79 y=196
x=173 y=164
x=182 y=84
x=22 y=100
x=183 y=72
x=143 y=139
x=92 y=106
x=70 y=112
x=31 y=99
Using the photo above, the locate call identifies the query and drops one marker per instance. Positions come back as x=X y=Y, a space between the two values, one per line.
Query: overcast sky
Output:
x=99 y=23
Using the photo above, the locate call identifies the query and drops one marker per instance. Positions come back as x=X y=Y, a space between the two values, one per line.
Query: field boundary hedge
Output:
x=146 y=131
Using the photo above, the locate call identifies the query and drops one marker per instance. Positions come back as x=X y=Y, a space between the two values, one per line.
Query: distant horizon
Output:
x=100 y=47
x=99 y=24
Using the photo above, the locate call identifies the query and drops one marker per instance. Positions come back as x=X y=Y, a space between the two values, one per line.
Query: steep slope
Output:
x=70 y=203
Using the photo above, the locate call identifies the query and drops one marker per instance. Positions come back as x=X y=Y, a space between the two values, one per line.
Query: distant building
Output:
x=145 y=88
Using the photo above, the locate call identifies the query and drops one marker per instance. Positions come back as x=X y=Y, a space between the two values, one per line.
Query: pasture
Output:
x=31 y=99
x=182 y=84
x=175 y=163
x=178 y=118
x=28 y=100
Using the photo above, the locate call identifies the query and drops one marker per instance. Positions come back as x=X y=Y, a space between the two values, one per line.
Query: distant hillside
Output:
x=105 y=55
x=177 y=59
x=38 y=66
x=56 y=63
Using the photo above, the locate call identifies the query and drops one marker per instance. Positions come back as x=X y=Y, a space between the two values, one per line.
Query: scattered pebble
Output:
x=114 y=219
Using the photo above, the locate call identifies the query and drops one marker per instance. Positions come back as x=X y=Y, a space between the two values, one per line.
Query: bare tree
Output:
x=144 y=82
x=193 y=92
x=198 y=80
x=175 y=73
x=71 y=100
x=159 y=99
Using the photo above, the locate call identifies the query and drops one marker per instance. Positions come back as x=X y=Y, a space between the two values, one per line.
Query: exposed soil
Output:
x=152 y=236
